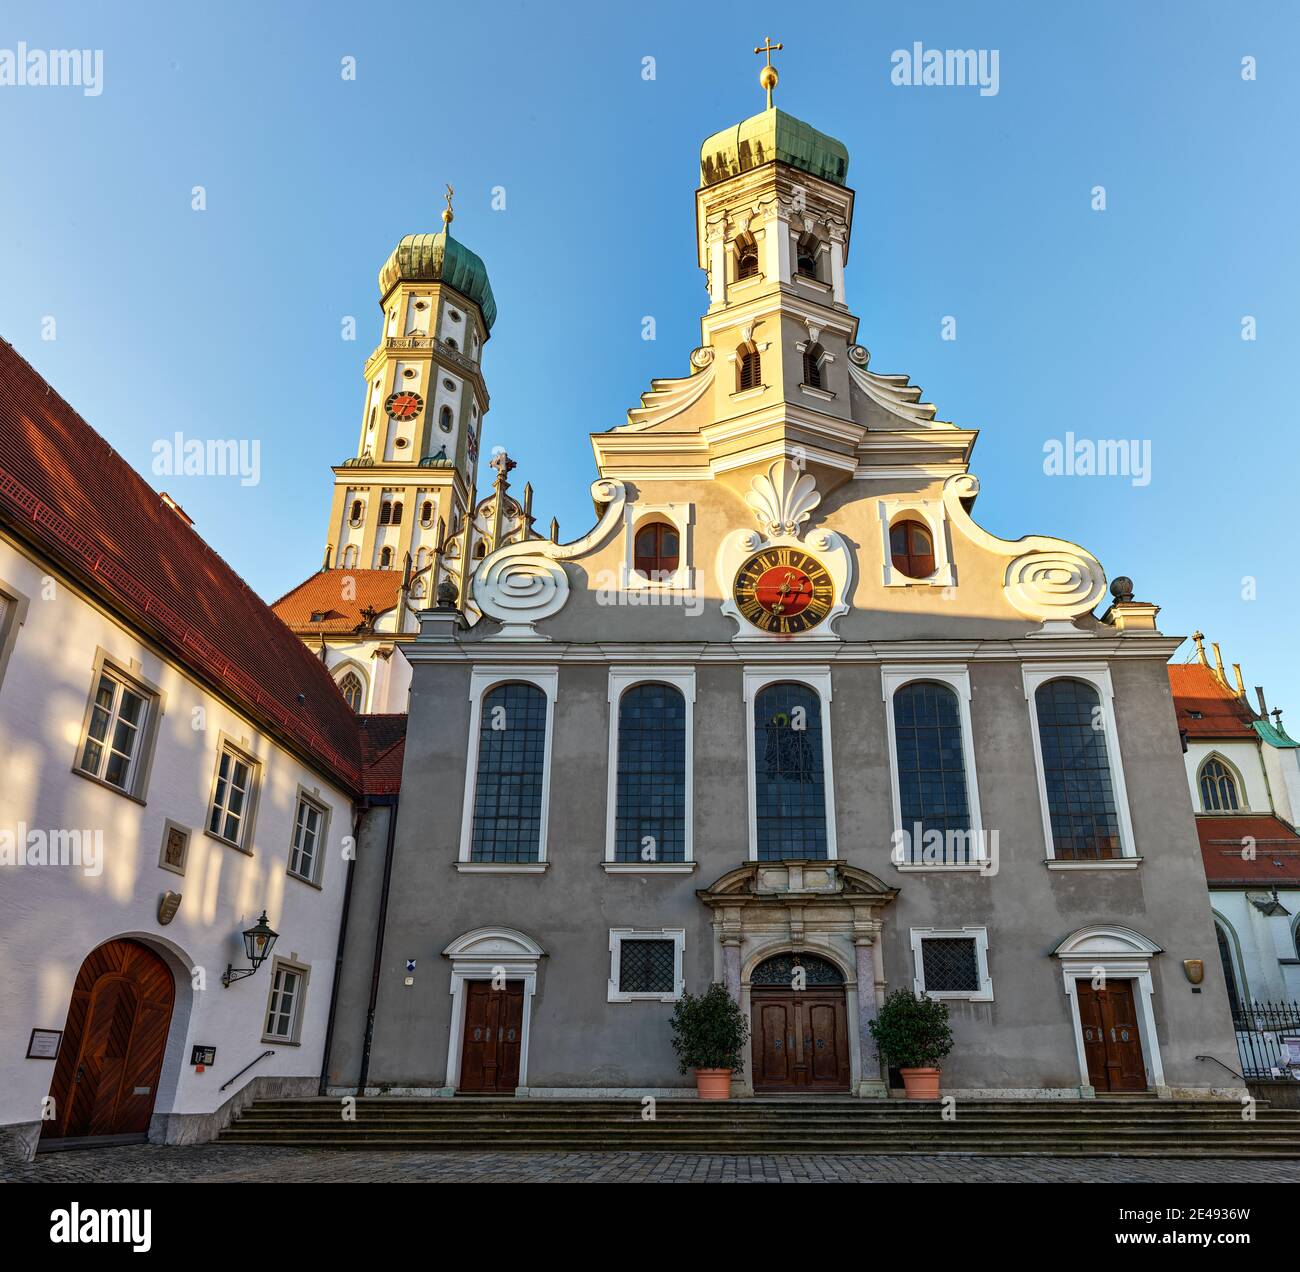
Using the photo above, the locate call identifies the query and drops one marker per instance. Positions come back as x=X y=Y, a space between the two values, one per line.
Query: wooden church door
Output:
x=494 y=1026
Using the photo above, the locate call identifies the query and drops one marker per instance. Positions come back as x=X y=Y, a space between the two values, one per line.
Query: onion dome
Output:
x=770 y=136
x=439 y=258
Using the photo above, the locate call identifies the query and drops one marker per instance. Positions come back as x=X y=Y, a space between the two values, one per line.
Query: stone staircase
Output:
x=1123 y=1127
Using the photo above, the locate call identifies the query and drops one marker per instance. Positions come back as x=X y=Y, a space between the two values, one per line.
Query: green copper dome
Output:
x=772 y=135
x=439 y=258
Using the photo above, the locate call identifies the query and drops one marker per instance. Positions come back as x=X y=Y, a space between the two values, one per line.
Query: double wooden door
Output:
x=106 y=1075
x=1110 y=1037
x=494 y=1032
x=800 y=1040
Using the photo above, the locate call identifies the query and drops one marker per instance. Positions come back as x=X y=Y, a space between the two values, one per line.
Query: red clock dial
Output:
x=404 y=405
x=784 y=591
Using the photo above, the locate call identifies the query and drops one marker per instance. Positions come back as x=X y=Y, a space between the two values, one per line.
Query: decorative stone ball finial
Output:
x=1122 y=588
x=447 y=594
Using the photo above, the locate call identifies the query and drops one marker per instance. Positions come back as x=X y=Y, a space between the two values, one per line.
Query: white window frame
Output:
x=246 y=820
x=303 y=973
x=138 y=764
x=980 y=935
x=817 y=678
x=679 y=515
x=1097 y=675
x=622 y=679
x=306 y=799
x=482 y=680
x=931 y=513
x=957 y=677
x=616 y=938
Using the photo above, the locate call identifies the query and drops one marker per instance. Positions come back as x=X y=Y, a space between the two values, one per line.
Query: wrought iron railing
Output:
x=1260 y=1029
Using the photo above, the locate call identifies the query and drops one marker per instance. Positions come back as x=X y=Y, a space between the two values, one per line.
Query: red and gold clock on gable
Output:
x=404 y=405
x=784 y=591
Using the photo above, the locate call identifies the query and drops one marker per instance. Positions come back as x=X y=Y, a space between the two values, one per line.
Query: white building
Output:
x=173 y=764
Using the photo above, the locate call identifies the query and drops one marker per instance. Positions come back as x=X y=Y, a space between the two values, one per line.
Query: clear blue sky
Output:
x=1121 y=324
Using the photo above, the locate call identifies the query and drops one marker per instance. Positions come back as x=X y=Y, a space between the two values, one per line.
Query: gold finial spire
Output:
x=448 y=216
x=767 y=76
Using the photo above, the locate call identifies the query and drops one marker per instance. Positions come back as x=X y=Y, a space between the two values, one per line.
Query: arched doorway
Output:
x=106 y=1076
x=800 y=1035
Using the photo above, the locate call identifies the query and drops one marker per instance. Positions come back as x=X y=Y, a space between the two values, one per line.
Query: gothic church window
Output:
x=353 y=691
x=790 y=783
x=931 y=767
x=656 y=551
x=510 y=774
x=1218 y=787
x=911 y=549
x=650 y=822
x=1076 y=770
x=1235 y=995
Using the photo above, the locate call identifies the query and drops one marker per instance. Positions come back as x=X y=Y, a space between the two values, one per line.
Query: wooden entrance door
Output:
x=1110 y=1037
x=494 y=1032
x=800 y=1040
x=106 y=1074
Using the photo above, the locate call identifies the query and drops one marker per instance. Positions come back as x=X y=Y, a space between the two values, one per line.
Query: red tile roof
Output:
x=1222 y=714
x=383 y=747
x=65 y=491
x=1276 y=851
x=339 y=597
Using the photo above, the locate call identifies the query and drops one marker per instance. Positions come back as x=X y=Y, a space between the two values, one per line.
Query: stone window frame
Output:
x=934 y=516
x=248 y=824
x=616 y=938
x=621 y=679
x=980 y=935
x=1097 y=674
x=483 y=680
x=635 y=518
x=128 y=671
x=1238 y=780
x=313 y=798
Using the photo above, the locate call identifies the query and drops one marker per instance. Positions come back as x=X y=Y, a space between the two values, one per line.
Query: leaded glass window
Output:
x=650 y=821
x=789 y=775
x=647 y=966
x=1076 y=770
x=931 y=769
x=511 y=765
x=781 y=970
x=950 y=965
x=1218 y=787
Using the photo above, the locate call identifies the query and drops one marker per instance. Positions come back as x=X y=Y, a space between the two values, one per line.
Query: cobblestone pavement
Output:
x=222 y=1163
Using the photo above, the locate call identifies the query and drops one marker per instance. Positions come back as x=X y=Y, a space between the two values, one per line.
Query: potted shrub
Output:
x=913 y=1036
x=709 y=1036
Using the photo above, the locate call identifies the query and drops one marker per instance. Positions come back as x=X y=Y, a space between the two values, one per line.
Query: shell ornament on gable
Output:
x=784 y=498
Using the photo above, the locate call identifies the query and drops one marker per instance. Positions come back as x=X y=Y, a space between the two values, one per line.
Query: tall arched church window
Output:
x=750 y=371
x=356 y=514
x=746 y=258
x=932 y=791
x=790 y=781
x=911 y=549
x=1076 y=770
x=1218 y=787
x=353 y=691
x=385 y=558
x=511 y=769
x=656 y=551
x=650 y=821
x=812 y=366
x=397 y=512
x=806 y=256
x=1235 y=994
x=385 y=513
x=350 y=557
x=426 y=513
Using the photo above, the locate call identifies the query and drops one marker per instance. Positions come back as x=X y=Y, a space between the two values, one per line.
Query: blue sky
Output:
x=1117 y=324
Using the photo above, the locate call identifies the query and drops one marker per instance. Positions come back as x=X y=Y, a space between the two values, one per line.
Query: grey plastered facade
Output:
x=823 y=470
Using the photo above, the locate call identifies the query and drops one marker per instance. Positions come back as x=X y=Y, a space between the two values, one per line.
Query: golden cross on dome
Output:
x=447 y=214
x=767 y=76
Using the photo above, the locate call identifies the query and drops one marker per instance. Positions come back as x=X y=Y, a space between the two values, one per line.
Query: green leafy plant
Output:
x=709 y=1030
x=911 y=1032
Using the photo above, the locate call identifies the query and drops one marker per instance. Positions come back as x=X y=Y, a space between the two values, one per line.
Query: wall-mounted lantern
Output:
x=258 y=941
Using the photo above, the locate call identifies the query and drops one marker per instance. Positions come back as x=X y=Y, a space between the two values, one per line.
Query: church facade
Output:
x=785 y=705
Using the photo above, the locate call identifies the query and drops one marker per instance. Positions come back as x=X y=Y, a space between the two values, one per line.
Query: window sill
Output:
x=616 y=997
x=229 y=843
x=976 y=996
x=815 y=283
x=967 y=867
x=751 y=280
x=108 y=786
x=503 y=867
x=1106 y=863
x=648 y=868
x=281 y=1042
x=311 y=883
x=825 y=394
x=757 y=391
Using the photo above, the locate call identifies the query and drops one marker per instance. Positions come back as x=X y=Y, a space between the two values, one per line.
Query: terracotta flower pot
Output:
x=713 y=1084
x=921 y=1084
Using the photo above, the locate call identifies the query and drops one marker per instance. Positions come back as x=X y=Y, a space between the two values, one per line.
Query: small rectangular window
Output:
x=646 y=967
x=231 y=799
x=284 y=1009
x=113 y=732
x=952 y=964
x=304 y=855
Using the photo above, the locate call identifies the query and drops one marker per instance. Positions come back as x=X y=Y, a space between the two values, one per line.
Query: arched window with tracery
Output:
x=1218 y=787
x=790 y=780
x=353 y=691
x=812 y=366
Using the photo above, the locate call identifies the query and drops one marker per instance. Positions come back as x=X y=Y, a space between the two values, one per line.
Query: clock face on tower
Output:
x=404 y=405
x=784 y=590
